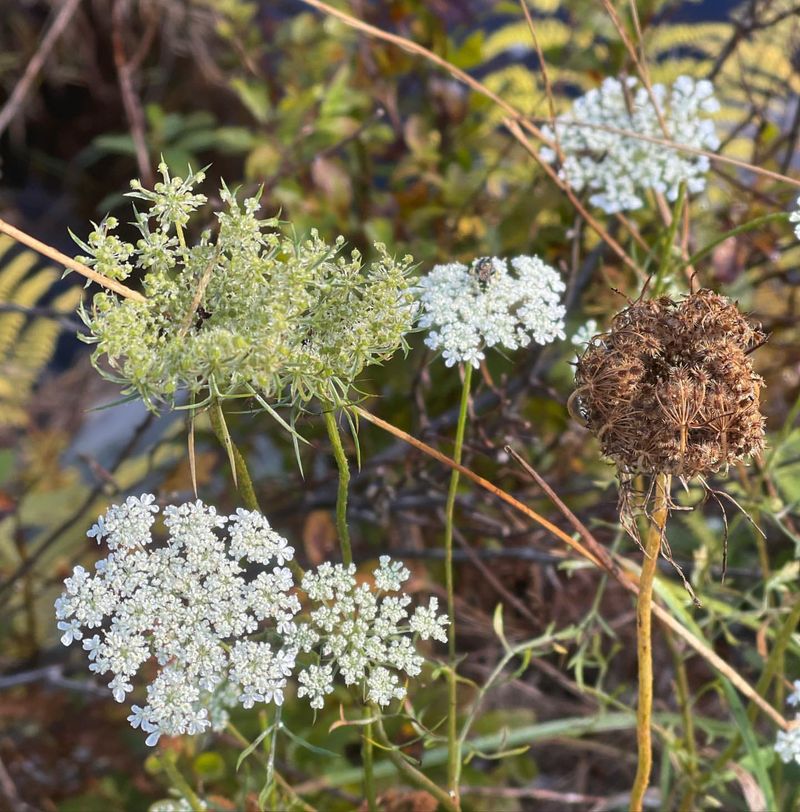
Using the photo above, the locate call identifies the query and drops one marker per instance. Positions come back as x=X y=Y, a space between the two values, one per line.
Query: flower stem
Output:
x=344 y=483
x=453 y=740
x=669 y=243
x=408 y=770
x=244 y=483
x=367 y=756
x=644 y=647
x=180 y=783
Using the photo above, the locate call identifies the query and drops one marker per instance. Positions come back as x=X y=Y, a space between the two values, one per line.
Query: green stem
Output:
x=685 y=704
x=179 y=233
x=745 y=227
x=453 y=741
x=408 y=770
x=180 y=783
x=271 y=782
x=344 y=483
x=666 y=255
x=263 y=758
x=529 y=646
x=244 y=483
x=367 y=755
x=644 y=646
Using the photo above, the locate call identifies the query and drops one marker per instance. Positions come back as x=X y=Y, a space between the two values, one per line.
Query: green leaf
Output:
x=749 y=737
x=320 y=751
x=115 y=143
x=248 y=751
x=497 y=625
x=254 y=96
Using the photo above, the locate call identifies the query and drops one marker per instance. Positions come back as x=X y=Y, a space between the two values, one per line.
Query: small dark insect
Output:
x=202 y=314
x=484 y=269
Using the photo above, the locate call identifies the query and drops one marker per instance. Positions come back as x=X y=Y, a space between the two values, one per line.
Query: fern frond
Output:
x=517 y=35
x=27 y=343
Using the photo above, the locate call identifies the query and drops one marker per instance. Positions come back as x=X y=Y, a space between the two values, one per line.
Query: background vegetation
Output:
x=352 y=135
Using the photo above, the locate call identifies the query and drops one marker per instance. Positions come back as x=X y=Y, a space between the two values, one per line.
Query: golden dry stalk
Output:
x=670 y=387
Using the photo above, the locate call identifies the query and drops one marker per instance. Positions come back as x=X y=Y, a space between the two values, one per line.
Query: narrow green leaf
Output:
x=248 y=751
x=749 y=737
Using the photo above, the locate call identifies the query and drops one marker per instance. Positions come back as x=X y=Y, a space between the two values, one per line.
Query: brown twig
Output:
x=130 y=100
x=23 y=86
x=73 y=265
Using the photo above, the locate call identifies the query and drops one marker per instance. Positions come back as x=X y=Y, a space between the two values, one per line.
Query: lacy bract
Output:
x=488 y=304
x=222 y=618
x=618 y=169
x=247 y=310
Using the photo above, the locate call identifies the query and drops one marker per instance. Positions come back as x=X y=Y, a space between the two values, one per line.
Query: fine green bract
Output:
x=249 y=309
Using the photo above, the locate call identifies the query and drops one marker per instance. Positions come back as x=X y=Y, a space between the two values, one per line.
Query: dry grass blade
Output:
x=73 y=265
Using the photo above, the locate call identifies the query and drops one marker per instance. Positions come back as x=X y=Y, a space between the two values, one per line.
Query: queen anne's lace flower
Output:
x=363 y=630
x=224 y=631
x=486 y=305
x=246 y=310
x=617 y=169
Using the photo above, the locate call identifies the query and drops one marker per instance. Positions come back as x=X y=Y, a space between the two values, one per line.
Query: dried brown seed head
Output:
x=670 y=388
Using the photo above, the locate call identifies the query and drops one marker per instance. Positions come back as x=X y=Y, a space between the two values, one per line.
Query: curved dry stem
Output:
x=73 y=265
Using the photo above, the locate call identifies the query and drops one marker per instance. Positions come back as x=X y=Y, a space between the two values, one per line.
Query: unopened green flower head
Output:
x=249 y=309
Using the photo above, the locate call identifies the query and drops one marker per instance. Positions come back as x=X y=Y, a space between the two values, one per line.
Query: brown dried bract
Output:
x=670 y=387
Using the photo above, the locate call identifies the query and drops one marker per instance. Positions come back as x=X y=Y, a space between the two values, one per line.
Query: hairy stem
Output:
x=367 y=756
x=344 y=483
x=244 y=483
x=644 y=647
x=408 y=770
x=453 y=741
x=180 y=783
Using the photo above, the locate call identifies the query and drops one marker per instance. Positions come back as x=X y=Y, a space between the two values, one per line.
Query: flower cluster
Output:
x=363 y=631
x=251 y=311
x=223 y=632
x=617 y=169
x=794 y=217
x=486 y=305
x=787 y=743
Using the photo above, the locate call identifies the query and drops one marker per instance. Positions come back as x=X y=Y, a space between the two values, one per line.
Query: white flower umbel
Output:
x=217 y=612
x=616 y=169
x=365 y=631
x=468 y=309
x=794 y=217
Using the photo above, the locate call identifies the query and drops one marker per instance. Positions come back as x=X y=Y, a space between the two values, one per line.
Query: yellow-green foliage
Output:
x=27 y=343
